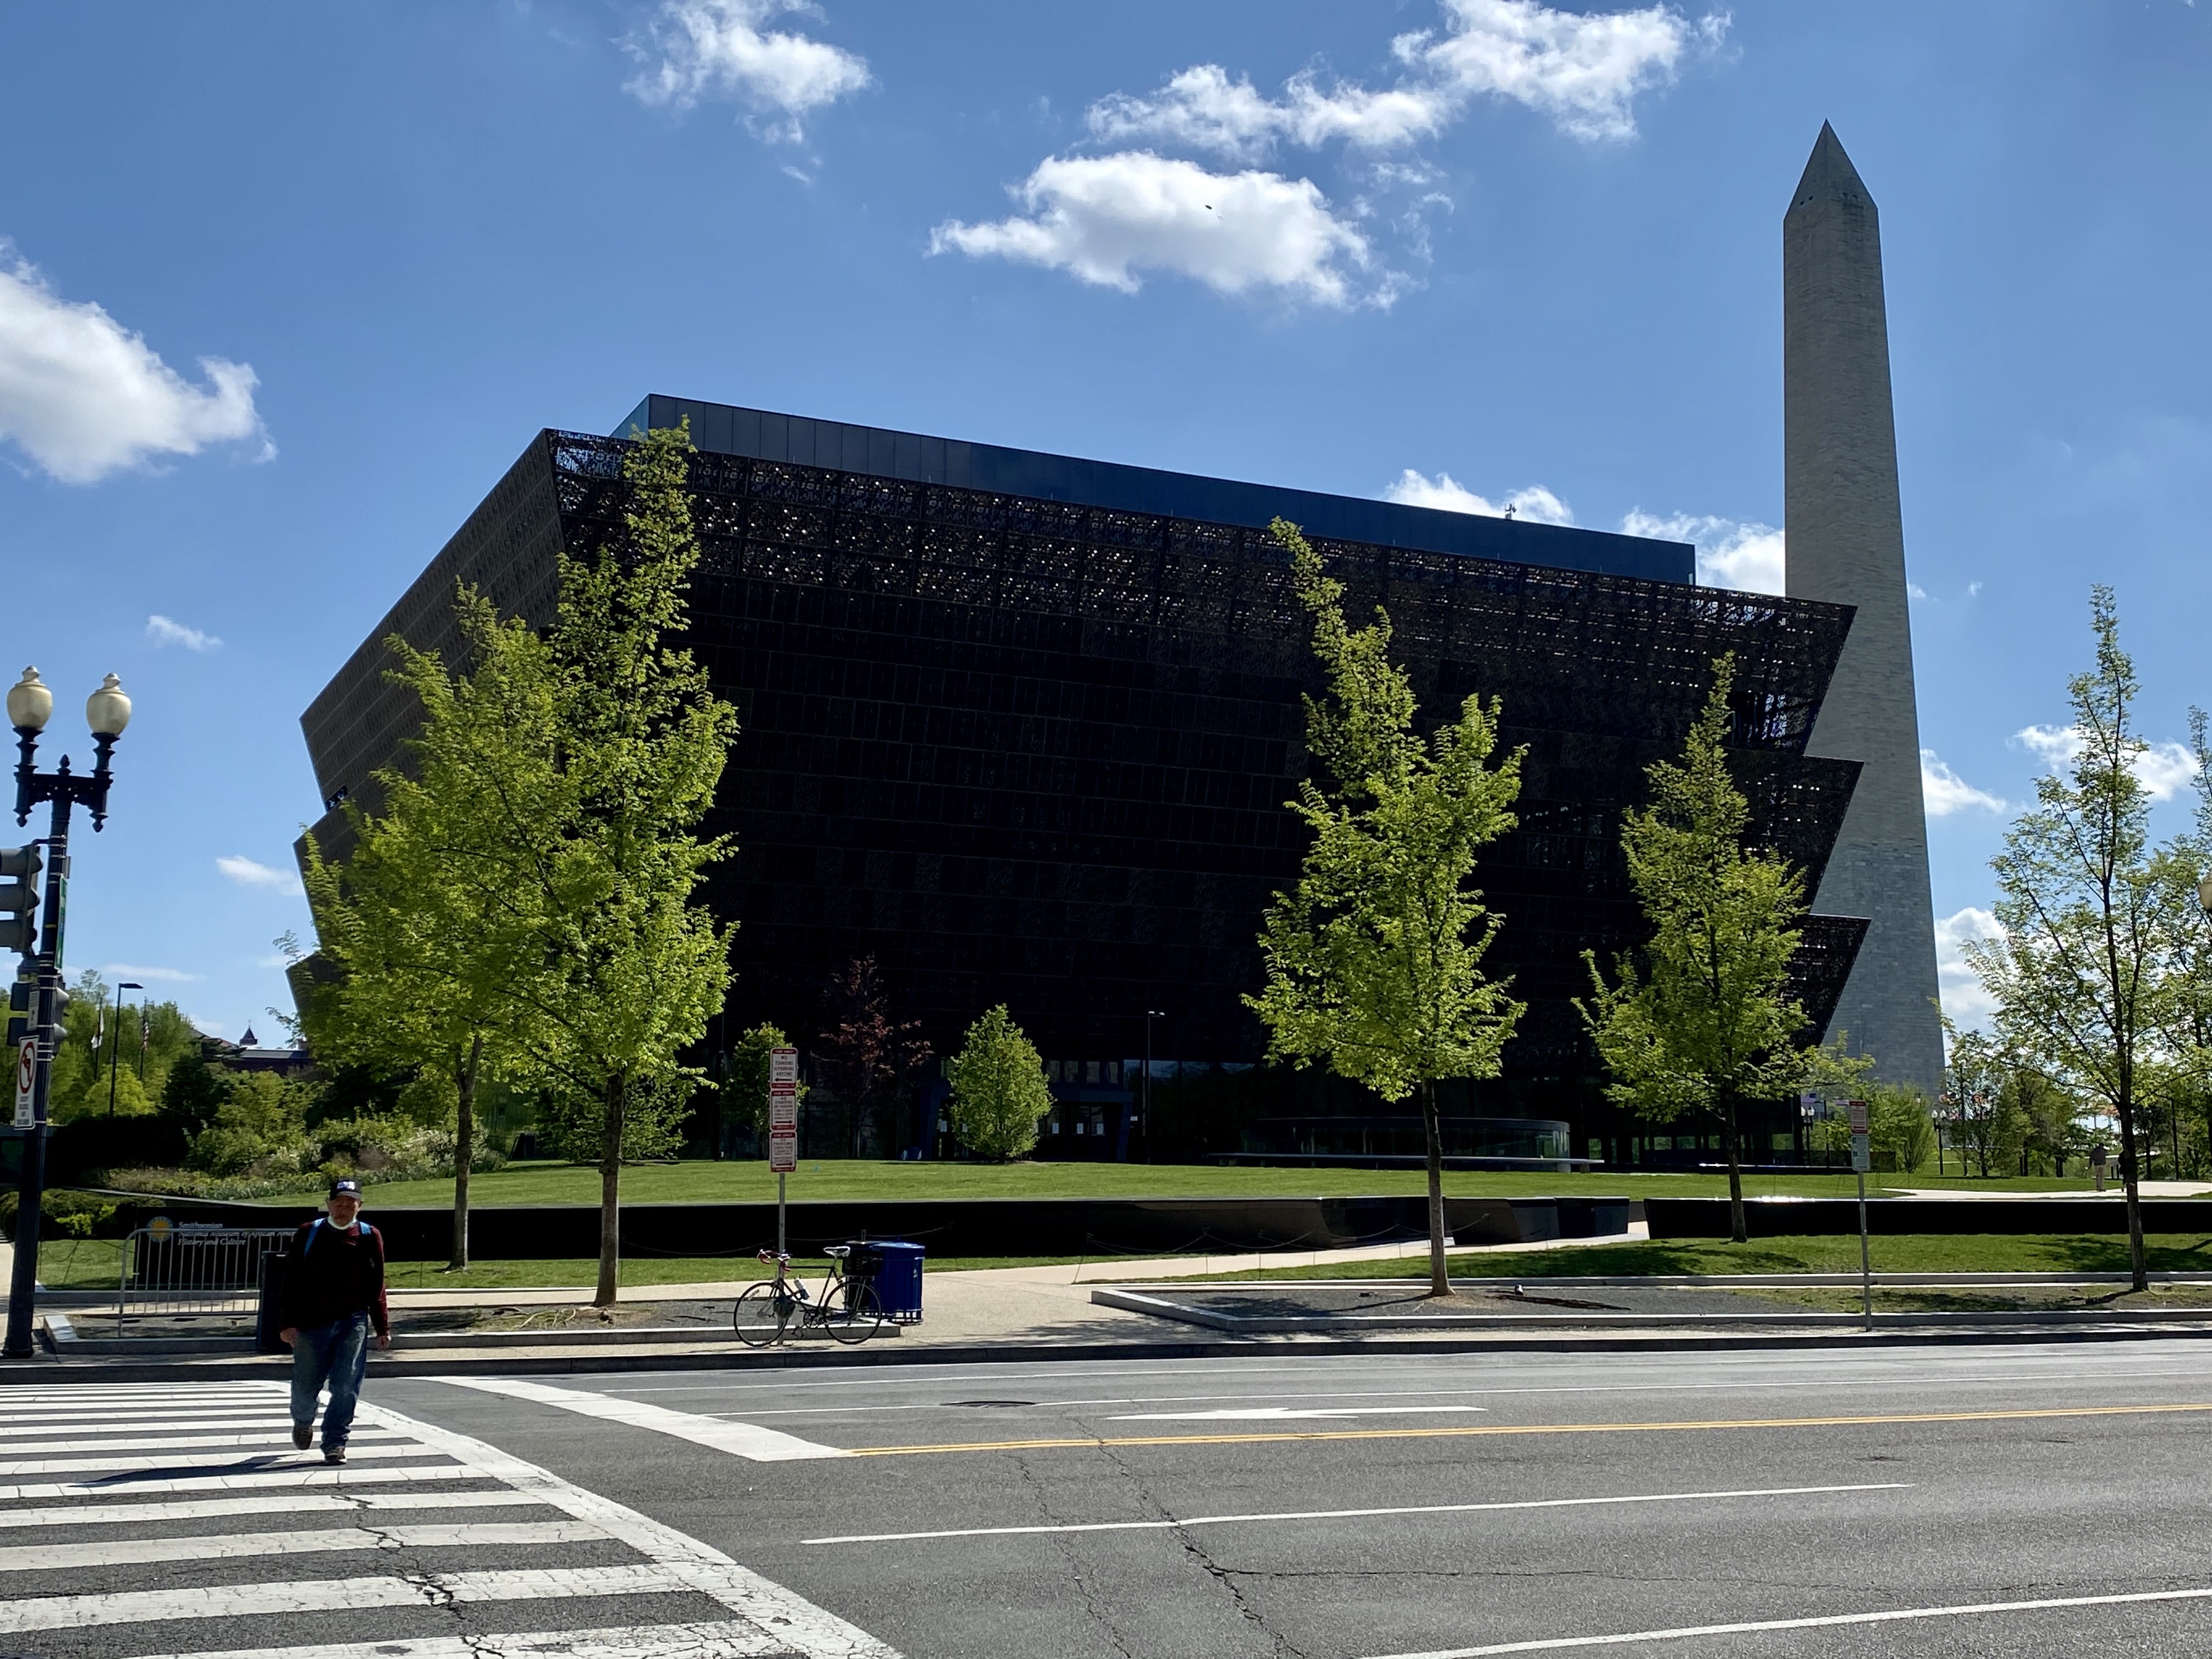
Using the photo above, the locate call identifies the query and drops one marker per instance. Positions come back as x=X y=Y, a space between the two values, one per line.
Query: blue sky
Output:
x=285 y=289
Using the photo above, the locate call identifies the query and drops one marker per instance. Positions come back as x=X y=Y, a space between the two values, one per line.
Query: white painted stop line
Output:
x=746 y=1440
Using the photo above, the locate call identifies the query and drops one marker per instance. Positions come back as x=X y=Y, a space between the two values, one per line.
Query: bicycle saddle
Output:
x=839 y=1252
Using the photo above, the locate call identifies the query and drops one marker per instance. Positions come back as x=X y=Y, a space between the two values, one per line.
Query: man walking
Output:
x=333 y=1295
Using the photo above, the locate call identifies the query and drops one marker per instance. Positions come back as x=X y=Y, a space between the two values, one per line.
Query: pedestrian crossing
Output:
x=178 y=1520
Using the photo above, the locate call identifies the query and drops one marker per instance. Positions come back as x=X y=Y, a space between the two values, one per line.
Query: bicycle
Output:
x=844 y=1305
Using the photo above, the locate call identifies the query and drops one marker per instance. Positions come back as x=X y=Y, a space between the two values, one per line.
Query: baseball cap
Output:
x=347 y=1185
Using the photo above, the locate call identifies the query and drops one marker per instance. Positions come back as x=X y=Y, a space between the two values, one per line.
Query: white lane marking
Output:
x=726 y=1641
x=803 y=1628
x=27 y=1557
x=746 y=1440
x=1940 y=1379
x=261 y=1436
x=1683 y=1633
x=285 y=1458
x=1283 y=1413
x=326 y=1595
x=283 y=1503
x=1349 y=1514
x=317 y=1473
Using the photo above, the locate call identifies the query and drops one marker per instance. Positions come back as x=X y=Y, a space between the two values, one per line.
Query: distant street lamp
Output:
x=30 y=705
x=115 y=1040
x=1151 y=1014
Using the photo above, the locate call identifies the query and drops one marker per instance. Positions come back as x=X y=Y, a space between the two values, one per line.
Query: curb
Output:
x=432 y=1365
x=1288 y=1324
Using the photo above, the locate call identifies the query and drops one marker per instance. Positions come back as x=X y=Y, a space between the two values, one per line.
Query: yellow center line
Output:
x=1481 y=1431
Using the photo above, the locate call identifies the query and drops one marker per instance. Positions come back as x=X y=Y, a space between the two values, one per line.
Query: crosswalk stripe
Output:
x=317 y=1473
x=173 y=1443
x=125 y=1491
x=79 y=1422
x=228 y=1546
x=722 y=1641
x=746 y=1440
x=283 y=1503
x=71 y=1465
x=327 y=1595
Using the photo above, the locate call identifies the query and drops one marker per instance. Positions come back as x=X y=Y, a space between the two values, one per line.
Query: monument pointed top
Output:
x=1829 y=175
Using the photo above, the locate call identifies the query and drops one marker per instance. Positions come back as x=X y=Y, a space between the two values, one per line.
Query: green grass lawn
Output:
x=1906 y=1254
x=704 y=1181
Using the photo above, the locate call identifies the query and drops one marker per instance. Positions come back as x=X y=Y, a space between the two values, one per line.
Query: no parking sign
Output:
x=27 y=1081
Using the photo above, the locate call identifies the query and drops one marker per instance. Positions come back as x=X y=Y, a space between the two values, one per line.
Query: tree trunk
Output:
x=1737 y=1230
x=2130 y=1174
x=1439 y=1277
x=611 y=1143
x=464 y=1151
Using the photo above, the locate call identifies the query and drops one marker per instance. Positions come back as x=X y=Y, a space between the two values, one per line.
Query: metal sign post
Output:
x=782 y=1127
x=1862 y=1160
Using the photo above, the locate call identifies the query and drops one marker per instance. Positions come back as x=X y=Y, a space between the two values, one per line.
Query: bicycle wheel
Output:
x=761 y=1314
x=856 y=1315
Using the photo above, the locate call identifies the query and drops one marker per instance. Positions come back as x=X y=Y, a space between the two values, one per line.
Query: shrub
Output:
x=68 y=1215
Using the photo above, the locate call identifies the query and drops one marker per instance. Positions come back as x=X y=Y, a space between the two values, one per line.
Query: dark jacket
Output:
x=329 y=1275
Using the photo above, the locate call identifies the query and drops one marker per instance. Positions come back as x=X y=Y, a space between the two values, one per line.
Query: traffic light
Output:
x=19 y=897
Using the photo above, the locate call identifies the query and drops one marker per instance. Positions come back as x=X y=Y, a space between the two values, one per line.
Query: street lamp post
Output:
x=1151 y=1014
x=106 y=711
x=115 y=1041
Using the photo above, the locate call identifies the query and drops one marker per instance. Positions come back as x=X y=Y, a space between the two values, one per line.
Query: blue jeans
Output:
x=336 y=1353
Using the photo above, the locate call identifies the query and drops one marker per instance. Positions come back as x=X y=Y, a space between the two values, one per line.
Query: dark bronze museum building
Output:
x=1021 y=727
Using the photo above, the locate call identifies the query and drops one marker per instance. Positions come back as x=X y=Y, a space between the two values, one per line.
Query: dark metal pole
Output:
x=114 y=1042
x=23 y=1286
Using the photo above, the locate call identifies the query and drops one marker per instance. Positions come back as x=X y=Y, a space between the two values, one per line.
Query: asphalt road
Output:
x=1344 y=1507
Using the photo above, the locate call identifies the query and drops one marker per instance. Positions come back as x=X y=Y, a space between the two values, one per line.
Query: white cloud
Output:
x=1418 y=490
x=1915 y=590
x=2163 y=770
x=723 y=48
x=1202 y=108
x=162 y=631
x=1740 y=554
x=83 y=396
x=1943 y=792
x=1973 y=590
x=1964 y=998
x=122 y=970
x=1582 y=72
x=247 y=873
x=1105 y=218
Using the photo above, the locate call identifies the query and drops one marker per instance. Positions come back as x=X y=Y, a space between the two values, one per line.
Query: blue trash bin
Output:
x=897 y=1273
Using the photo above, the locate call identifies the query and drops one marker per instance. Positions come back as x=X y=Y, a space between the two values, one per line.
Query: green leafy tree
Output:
x=1700 y=1020
x=1375 y=959
x=1974 y=1077
x=634 y=969
x=2184 y=1004
x=2075 y=967
x=999 y=1089
x=432 y=921
x=745 y=1078
x=1901 y=1134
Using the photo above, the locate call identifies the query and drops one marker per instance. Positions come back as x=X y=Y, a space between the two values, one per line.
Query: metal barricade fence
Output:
x=194 y=1269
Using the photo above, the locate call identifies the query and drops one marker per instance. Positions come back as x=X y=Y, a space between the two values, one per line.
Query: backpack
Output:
x=367 y=1232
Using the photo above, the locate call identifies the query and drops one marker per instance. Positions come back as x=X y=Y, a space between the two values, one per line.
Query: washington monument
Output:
x=1846 y=544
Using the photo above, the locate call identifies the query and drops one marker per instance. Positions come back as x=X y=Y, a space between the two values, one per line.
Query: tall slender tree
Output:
x=1700 y=1019
x=2075 y=964
x=1375 y=959
x=634 y=968
x=429 y=920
